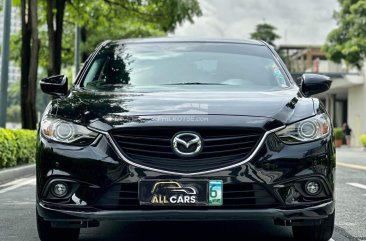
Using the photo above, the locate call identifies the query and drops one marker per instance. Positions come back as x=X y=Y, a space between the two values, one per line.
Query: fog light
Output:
x=312 y=187
x=59 y=189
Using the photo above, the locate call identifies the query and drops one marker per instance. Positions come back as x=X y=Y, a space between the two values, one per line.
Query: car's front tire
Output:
x=321 y=232
x=47 y=233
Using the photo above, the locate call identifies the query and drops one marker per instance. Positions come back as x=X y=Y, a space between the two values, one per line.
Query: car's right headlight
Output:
x=310 y=129
x=66 y=132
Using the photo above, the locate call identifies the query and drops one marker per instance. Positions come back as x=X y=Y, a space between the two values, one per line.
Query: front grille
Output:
x=235 y=196
x=151 y=147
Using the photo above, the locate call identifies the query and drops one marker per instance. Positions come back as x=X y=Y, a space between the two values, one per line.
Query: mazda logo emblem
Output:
x=187 y=144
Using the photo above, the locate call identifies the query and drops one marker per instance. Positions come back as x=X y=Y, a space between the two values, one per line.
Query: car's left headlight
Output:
x=66 y=132
x=310 y=129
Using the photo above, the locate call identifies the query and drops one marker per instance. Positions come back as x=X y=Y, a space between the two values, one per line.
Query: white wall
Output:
x=357 y=111
x=326 y=66
x=338 y=114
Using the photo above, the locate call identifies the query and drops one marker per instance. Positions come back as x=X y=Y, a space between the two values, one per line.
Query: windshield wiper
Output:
x=195 y=83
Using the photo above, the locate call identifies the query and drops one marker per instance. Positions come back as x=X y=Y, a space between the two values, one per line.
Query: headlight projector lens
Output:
x=64 y=131
x=311 y=129
x=308 y=129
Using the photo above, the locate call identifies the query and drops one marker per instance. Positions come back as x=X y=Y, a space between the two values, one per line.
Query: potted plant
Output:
x=338 y=136
x=363 y=141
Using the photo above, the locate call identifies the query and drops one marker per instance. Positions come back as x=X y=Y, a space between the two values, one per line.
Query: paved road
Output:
x=17 y=216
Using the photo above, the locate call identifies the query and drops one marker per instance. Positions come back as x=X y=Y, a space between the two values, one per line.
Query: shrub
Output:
x=26 y=144
x=17 y=147
x=8 y=148
x=338 y=133
x=363 y=140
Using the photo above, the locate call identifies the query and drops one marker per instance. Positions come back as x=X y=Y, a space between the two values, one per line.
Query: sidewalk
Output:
x=355 y=156
x=357 y=150
x=9 y=174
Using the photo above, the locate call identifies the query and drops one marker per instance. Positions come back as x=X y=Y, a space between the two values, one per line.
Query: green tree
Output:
x=113 y=17
x=265 y=32
x=14 y=110
x=47 y=35
x=348 y=41
x=29 y=62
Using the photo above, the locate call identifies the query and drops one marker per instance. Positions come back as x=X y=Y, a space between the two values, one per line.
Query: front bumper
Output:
x=98 y=172
x=280 y=216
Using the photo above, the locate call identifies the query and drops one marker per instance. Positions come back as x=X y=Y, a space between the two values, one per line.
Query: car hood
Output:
x=85 y=107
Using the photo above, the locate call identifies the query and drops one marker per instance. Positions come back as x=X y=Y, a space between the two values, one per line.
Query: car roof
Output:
x=187 y=40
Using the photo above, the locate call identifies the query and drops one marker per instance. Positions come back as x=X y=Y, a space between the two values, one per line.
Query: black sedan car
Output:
x=172 y=129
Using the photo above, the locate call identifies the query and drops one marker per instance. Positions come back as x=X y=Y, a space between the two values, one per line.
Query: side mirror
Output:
x=54 y=85
x=312 y=84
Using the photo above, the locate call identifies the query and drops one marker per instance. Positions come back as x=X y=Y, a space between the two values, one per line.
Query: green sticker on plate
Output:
x=215 y=193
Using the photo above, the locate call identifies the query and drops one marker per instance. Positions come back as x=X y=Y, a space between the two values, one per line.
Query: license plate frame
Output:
x=180 y=192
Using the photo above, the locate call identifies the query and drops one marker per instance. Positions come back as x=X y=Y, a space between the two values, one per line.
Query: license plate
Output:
x=180 y=193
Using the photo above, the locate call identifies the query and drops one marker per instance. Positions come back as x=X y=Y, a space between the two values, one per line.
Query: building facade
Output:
x=346 y=99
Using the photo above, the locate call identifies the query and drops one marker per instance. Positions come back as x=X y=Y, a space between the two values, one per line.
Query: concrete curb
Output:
x=10 y=174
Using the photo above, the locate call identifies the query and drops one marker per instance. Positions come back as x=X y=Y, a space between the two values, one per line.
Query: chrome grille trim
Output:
x=124 y=158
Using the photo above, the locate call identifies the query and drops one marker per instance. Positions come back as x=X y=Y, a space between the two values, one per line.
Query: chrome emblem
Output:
x=187 y=144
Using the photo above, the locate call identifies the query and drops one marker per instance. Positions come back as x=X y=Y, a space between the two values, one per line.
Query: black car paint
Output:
x=98 y=166
x=87 y=106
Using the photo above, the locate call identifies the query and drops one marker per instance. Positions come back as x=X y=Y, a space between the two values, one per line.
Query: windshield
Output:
x=242 y=66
